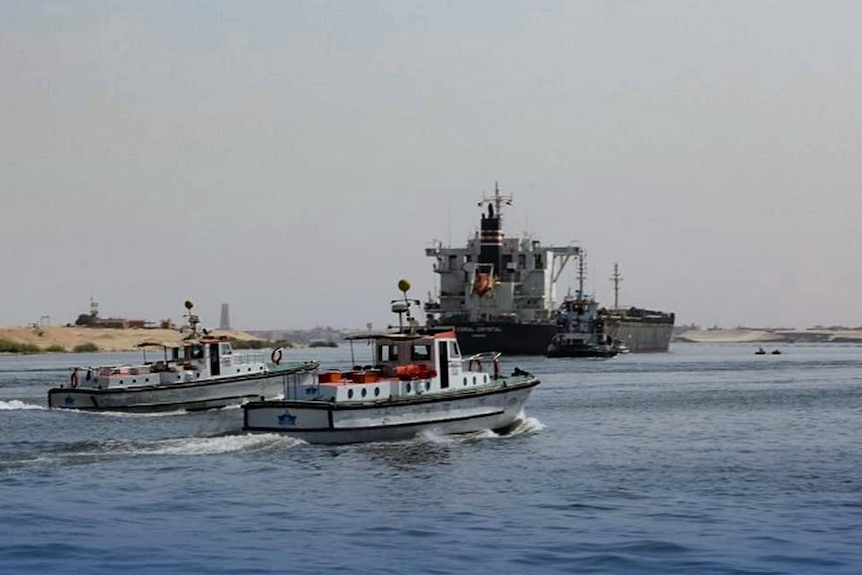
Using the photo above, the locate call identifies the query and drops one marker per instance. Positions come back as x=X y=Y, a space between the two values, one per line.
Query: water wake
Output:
x=18 y=404
x=216 y=445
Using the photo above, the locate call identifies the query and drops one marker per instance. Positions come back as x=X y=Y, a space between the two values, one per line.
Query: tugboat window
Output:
x=387 y=353
x=421 y=352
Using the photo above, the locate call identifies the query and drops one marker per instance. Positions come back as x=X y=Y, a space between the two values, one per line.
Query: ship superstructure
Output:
x=498 y=291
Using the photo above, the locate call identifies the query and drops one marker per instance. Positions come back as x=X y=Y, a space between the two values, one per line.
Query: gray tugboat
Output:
x=580 y=328
x=499 y=293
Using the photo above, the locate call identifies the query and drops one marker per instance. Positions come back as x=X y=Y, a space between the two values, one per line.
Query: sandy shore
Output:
x=105 y=339
x=769 y=336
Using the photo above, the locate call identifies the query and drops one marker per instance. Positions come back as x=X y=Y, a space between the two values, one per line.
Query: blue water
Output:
x=707 y=459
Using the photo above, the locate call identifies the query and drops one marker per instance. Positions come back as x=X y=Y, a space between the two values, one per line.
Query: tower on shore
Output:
x=224 y=322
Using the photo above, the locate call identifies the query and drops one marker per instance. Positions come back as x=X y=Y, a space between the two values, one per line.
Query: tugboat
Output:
x=499 y=293
x=580 y=330
x=200 y=372
x=414 y=382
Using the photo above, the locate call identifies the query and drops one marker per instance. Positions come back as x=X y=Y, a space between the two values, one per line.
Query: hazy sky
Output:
x=294 y=159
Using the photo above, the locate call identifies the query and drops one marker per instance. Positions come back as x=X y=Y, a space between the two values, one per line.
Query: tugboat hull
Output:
x=190 y=396
x=330 y=423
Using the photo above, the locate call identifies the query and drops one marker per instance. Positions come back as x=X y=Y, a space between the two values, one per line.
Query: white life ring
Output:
x=276 y=356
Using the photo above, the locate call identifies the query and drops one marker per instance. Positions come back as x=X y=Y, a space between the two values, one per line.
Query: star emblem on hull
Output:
x=69 y=400
x=286 y=419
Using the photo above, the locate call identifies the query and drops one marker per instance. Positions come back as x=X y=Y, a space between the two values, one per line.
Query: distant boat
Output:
x=322 y=343
x=760 y=351
x=200 y=372
x=776 y=352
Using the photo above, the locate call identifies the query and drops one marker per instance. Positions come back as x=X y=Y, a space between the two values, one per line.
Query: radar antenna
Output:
x=402 y=308
x=193 y=319
x=497 y=201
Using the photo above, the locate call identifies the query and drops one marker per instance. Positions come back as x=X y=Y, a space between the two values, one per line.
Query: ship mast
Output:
x=497 y=199
x=616 y=278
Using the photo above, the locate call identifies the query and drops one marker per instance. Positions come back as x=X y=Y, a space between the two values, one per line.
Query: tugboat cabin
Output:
x=403 y=365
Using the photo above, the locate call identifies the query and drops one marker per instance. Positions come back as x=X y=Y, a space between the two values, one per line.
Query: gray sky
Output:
x=294 y=159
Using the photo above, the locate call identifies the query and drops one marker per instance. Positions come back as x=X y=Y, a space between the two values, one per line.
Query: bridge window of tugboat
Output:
x=197 y=351
x=420 y=352
x=387 y=353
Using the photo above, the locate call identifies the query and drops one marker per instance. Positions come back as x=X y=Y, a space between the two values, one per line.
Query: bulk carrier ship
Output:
x=499 y=292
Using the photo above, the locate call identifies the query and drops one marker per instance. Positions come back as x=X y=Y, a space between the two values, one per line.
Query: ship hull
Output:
x=641 y=337
x=505 y=337
x=533 y=338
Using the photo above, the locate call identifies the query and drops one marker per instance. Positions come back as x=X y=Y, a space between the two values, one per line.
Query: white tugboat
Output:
x=200 y=372
x=415 y=382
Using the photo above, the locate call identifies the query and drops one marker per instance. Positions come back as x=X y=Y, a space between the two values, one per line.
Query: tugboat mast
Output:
x=581 y=274
x=616 y=278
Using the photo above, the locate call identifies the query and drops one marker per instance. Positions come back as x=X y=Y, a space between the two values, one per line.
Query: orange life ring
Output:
x=73 y=380
x=276 y=356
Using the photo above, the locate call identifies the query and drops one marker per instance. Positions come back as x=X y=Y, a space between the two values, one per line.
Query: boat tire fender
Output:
x=276 y=356
x=73 y=379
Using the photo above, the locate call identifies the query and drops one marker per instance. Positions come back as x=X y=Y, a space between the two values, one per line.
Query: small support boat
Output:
x=415 y=381
x=580 y=329
x=200 y=372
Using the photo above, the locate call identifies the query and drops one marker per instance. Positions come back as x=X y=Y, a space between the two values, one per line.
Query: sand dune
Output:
x=104 y=339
